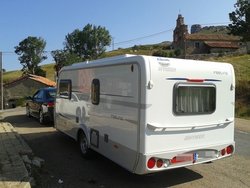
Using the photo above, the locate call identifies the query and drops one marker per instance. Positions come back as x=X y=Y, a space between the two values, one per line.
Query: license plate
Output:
x=185 y=157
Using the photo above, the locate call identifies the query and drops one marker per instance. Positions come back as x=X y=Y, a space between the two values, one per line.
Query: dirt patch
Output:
x=242 y=125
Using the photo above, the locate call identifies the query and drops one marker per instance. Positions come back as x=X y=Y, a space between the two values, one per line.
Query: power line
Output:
x=140 y=38
x=165 y=31
x=8 y=52
x=13 y=53
x=143 y=37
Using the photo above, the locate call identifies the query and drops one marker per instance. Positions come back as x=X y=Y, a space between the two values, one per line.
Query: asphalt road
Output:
x=64 y=167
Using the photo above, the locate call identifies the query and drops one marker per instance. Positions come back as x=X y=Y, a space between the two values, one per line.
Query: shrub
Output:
x=160 y=53
x=177 y=52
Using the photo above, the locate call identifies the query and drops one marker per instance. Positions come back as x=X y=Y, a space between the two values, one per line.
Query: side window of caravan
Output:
x=95 y=92
x=194 y=99
x=65 y=89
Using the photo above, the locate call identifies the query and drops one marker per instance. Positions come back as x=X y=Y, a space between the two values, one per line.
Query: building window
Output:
x=65 y=88
x=197 y=45
x=194 y=99
x=95 y=92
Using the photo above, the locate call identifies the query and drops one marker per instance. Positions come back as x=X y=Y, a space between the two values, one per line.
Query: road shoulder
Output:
x=13 y=172
x=242 y=125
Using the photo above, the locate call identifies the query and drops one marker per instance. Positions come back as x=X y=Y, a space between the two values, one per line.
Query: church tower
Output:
x=180 y=31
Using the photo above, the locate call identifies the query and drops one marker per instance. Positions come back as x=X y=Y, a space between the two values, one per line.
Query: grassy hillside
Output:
x=241 y=65
x=12 y=75
x=50 y=72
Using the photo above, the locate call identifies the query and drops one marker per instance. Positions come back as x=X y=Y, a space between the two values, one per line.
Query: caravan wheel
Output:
x=84 y=145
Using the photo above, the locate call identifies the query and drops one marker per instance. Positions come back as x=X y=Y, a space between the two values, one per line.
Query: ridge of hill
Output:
x=214 y=30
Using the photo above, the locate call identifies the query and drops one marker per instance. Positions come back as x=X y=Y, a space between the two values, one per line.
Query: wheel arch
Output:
x=83 y=129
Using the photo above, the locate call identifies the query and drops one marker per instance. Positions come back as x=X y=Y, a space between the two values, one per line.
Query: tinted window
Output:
x=50 y=94
x=38 y=95
x=194 y=99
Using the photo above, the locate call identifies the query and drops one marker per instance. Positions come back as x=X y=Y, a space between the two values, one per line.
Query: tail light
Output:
x=229 y=149
x=159 y=163
x=195 y=80
x=173 y=160
x=151 y=163
x=223 y=152
x=50 y=104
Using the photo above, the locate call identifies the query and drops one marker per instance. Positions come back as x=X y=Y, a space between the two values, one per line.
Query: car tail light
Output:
x=151 y=163
x=50 y=104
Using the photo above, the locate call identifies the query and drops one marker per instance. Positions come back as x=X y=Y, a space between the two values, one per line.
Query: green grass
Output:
x=241 y=66
x=11 y=75
x=50 y=72
x=240 y=63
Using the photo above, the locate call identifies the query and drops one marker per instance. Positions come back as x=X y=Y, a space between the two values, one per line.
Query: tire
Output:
x=84 y=146
x=28 y=111
x=41 y=117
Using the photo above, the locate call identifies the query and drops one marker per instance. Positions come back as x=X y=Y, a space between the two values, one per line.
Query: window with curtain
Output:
x=194 y=99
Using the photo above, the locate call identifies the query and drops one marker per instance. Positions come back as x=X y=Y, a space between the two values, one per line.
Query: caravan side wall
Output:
x=112 y=125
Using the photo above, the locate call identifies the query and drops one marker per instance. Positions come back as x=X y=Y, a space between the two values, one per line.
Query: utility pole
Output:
x=1 y=79
x=113 y=43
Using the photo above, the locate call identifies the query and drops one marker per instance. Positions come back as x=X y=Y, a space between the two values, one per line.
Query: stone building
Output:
x=24 y=86
x=197 y=43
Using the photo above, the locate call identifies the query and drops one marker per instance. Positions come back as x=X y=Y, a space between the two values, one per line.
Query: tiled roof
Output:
x=212 y=37
x=40 y=79
x=221 y=45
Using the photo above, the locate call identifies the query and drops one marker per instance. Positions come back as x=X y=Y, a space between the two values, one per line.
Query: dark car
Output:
x=11 y=103
x=41 y=104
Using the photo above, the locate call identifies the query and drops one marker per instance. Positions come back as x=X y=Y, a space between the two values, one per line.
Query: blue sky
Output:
x=125 y=20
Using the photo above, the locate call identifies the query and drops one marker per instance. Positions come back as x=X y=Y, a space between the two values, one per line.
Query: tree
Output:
x=63 y=58
x=88 y=43
x=240 y=20
x=31 y=54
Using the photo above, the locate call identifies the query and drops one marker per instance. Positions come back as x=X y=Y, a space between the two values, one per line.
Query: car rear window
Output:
x=51 y=94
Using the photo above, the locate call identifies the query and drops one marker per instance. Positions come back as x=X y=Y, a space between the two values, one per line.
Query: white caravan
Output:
x=148 y=114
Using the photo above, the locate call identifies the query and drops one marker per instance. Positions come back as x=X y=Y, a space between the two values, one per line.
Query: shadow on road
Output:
x=20 y=121
x=64 y=162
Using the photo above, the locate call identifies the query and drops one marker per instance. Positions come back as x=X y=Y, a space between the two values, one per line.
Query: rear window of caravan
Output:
x=194 y=99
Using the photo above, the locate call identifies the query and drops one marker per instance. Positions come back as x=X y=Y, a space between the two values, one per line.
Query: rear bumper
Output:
x=202 y=155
